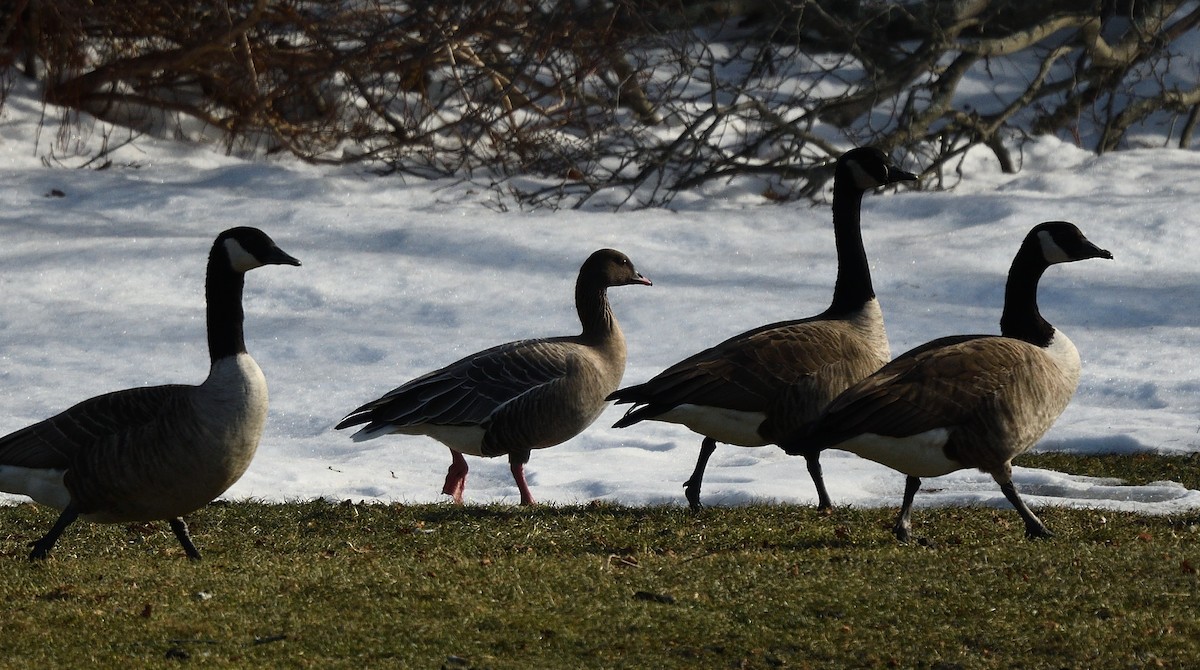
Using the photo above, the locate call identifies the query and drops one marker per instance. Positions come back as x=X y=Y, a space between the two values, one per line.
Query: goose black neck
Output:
x=1021 y=319
x=591 y=302
x=853 y=287
x=223 y=293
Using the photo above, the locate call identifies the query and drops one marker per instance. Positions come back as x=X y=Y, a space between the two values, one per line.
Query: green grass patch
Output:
x=1131 y=468
x=341 y=585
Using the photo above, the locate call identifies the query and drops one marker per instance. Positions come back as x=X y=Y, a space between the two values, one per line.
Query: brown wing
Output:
x=548 y=414
x=946 y=383
x=799 y=365
x=470 y=390
x=62 y=439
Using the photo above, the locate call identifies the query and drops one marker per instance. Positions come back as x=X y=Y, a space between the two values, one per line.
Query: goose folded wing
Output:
x=469 y=391
x=938 y=385
x=55 y=442
x=749 y=372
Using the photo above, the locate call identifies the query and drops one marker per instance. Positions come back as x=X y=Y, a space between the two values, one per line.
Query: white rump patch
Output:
x=44 y=485
x=723 y=425
x=463 y=439
x=918 y=455
x=240 y=259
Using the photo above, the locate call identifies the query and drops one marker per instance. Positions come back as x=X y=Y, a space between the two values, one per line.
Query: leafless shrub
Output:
x=633 y=101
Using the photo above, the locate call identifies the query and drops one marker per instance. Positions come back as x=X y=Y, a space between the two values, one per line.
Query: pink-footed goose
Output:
x=760 y=387
x=158 y=452
x=519 y=396
x=969 y=401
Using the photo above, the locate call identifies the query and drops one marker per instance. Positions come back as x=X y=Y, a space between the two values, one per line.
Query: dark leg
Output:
x=903 y=525
x=42 y=547
x=516 y=464
x=1033 y=525
x=181 y=532
x=691 y=488
x=456 y=477
x=813 y=460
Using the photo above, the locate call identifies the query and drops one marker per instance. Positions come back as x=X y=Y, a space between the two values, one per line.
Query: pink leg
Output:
x=456 y=477
x=518 y=473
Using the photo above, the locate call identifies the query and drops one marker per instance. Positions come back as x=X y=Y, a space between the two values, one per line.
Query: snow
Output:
x=101 y=288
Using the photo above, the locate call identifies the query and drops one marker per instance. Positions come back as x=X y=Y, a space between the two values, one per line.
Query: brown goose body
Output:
x=764 y=385
x=761 y=386
x=969 y=401
x=982 y=399
x=120 y=457
x=157 y=452
x=515 y=397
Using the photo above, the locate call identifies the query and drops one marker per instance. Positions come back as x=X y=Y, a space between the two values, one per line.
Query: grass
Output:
x=341 y=585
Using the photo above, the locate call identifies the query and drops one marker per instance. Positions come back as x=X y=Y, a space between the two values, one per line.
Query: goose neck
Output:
x=223 y=295
x=595 y=313
x=853 y=287
x=1021 y=318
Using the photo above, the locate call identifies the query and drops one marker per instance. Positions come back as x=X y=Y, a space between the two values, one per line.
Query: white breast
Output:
x=234 y=395
x=1065 y=356
x=230 y=412
x=869 y=322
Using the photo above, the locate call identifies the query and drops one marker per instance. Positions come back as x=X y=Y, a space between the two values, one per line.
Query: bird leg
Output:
x=812 y=458
x=1034 y=528
x=181 y=532
x=42 y=547
x=691 y=488
x=516 y=464
x=518 y=473
x=903 y=525
x=456 y=477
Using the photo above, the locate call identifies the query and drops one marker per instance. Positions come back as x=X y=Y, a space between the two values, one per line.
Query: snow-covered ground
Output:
x=102 y=271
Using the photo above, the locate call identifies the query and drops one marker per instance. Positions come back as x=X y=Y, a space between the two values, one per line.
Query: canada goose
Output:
x=519 y=396
x=156 y=452
x=969 y=401
x=762 y=386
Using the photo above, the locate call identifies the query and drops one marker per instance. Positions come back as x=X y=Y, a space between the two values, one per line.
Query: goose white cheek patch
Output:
x=1050 y=250
x=240 y=259
x=862 y=179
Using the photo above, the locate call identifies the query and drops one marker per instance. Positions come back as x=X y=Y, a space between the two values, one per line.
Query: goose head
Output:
x=609 y=267
x=1046 y=244
x=1061 y=242
x=867 y=168
x=247 y=248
